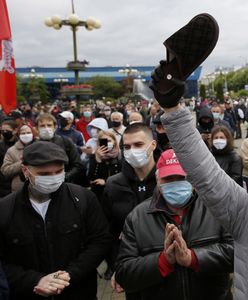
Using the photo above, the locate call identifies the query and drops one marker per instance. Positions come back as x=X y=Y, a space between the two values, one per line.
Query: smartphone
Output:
x=103 y=142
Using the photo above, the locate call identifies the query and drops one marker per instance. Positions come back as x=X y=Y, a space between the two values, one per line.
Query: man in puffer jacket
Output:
x=172 y=247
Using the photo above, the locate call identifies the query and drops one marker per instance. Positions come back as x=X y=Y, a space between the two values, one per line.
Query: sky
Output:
x=132 y=32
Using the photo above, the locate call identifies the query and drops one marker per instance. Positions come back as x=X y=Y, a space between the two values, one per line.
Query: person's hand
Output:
x=182 y=252
x=98 y=181
x=167 y=90
x=52 y=284
x=115 y=286
x=100 y=152
x=169 y=250
x=87 y=150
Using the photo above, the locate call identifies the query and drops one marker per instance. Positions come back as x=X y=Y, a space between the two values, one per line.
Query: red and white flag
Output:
x=7 y=63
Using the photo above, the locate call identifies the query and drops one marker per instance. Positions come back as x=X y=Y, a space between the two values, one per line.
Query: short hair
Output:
x=10 y=123
x=117 y=113
x=136 y=127
x=45 y=116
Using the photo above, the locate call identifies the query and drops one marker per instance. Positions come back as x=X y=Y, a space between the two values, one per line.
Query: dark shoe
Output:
x=108 y=274
x=186 y=49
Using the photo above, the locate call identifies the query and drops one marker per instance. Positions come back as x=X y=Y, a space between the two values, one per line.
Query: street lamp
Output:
x=74 y=22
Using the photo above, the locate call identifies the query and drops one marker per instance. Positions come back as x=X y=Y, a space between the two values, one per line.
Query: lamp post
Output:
x=74 y=22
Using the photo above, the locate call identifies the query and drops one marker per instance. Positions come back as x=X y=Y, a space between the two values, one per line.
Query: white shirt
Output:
x=41 y=208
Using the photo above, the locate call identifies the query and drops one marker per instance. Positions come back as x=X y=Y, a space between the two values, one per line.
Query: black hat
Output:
x=15 y=114
x=41 y=153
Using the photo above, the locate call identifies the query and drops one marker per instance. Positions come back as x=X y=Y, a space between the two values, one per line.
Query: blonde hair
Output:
x=109 y=134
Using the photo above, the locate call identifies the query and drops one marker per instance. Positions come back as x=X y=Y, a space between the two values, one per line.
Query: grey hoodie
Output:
x=227 y=201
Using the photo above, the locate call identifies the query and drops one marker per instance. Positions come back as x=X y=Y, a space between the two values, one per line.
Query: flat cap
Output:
x=41 y=153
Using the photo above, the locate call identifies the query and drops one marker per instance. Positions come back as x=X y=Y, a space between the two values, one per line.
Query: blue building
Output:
x=55 y=77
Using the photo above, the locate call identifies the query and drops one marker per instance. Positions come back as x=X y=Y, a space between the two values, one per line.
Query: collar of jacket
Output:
x=23 y=194
x=128 y=171
x=158 y=204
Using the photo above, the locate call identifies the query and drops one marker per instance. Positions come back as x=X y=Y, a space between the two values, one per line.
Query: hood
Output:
x=205 y=112
x=99 y=123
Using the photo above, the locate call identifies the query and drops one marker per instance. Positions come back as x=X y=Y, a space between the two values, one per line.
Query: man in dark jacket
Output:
x=172 y=247
x=50 y=241
x=133 y=184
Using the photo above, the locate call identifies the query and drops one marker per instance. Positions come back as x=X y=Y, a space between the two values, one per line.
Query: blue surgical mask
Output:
x=216 y=115
x=87 y=114
x=177 y=193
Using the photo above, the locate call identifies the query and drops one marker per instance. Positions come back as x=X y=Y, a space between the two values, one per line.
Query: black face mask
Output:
x=7 y=135
x=63 y=122
x=116 y=124
x=162 y=139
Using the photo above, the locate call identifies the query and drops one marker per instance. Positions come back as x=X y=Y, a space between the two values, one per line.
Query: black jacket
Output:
x=4 y=288
x=74 y=237
x=231 y=163
x=142 y=242
x=102 y=170
x=122 y=193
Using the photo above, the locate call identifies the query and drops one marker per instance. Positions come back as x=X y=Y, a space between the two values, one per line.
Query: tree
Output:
x=36 y=90
x=219 y=92
x=19 y=90
x=202 y=91
x=104 y=86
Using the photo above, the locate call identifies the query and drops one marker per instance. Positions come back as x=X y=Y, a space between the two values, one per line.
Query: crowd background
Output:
x=92 y=137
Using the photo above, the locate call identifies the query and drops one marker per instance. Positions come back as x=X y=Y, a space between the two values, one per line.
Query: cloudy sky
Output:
x=132 y=31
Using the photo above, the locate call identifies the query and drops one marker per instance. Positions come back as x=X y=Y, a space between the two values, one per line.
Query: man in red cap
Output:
x=172 y=247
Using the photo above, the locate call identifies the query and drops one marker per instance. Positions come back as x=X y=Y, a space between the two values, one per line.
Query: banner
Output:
x=7 y=63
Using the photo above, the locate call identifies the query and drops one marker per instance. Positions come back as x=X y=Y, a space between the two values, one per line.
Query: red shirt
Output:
x=81 y=125
x=165 y=268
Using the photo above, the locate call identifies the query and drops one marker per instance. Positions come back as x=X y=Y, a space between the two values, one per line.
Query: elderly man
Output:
x=117 y=125
x=135 y=117
x=172 y=247
x=51 y=243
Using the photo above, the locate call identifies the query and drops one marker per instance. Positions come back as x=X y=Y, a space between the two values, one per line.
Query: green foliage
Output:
x=202 y=91
x=36 y=90
x=219 y=91
x=105 y=87
x=242 y=93
x=19 y=90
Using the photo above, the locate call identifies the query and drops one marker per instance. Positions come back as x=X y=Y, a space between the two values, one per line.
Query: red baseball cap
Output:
x=169 y=165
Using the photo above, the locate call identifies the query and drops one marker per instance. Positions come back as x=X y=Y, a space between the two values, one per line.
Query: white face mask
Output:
x=26 y=138
x=219 y=144
x=94 y=132
x=137 y=158
x=110 y=146
x=46 y=133
x=48 y=184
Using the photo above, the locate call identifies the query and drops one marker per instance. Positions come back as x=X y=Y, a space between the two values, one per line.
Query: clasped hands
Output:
x=52 y=284
x=175 y=247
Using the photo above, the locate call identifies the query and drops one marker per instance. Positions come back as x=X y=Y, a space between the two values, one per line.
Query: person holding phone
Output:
x=104 y=163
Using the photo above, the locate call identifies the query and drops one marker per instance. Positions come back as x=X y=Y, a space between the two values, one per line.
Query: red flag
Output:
x=7 y=63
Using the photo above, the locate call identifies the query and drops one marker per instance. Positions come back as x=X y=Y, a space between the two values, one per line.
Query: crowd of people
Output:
x=79 y=185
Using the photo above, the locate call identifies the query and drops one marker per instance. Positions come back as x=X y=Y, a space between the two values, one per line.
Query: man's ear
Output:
x=25 y=171
x=154 y=143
